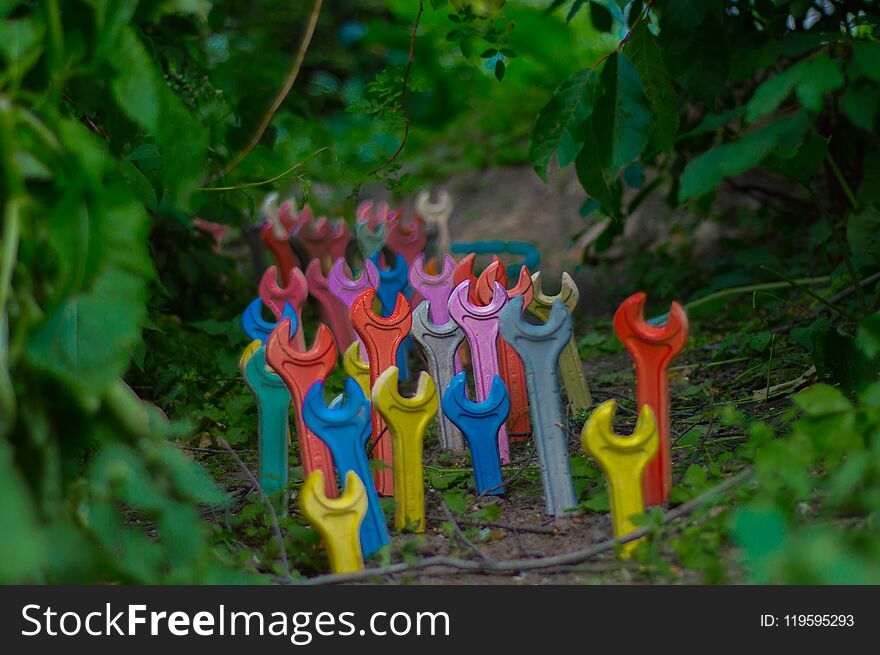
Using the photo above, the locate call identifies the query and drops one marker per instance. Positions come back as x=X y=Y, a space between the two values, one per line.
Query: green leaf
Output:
x=868 y=336
x=704 y=173
x=839 y=361
x=22 y=547
x=822 y=399
x=863 y=230
x=558 y=127
x=87 y=341
x=643 y=49
x=592 y=175
x=866 y=60
x=621 y=116
x=860 y=104
x=810 y=79
x=136 y=84
x=803 y=163
x=600 y=17
x=760 y=532
x=499 y=69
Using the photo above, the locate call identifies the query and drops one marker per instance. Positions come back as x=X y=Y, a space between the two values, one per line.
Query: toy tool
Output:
x=439 y=344
x=480 y=326
x=407 y=419
x=434 y=288
x=406 y=240
x=341 y=284
x=531 y=256
x=573 y=379
x=294 y=292
x=345 y=428
x=652 y=348
x=337 y=520
x=217 y=231
x=333 y=311
x=370 y=238
x=256 y=327
x=623 y=459
x=273 y=401
x=509 y=363
x=394 y=281
x=436 y=215
x=357 y=368
x=300 y=370
x=480 y=422
x=539 y=347
x=323 y=240
x=464 y=270
x=382 y=338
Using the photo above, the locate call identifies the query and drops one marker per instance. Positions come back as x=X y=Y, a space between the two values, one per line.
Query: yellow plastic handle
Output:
x=623 y=460
x=338 y=520
x=406 y=419
x=247 y=353
x=357 y=367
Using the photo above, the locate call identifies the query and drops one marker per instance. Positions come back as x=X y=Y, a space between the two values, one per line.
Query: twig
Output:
x=276 y=528
x=809 y=292
x=467 y=543
x=403 y=108
x=282 y=94
x=518 y=565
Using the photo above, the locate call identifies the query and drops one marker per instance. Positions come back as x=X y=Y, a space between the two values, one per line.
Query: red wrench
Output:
x=510 y=365
x=465 y=271
x=300 y=370
x=332 y=309
x=407 y=240
x=652 y=348
x=382 y=337
x=324 y=241
x=294 y=292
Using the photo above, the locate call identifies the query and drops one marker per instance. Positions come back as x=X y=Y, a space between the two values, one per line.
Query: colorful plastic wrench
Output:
x=406 y=240
x=256 y=327
x=273 y=429
x=357 y=368
x=652 y=348
x=480 y=422
x=300 y=370
x=436 y=215
x=623 y=459
x=382 y=338
x=294 y=292
x=510 y=365
x=434 y=288
x=337 y=520
x=370 y=238
x=323 y=240
x=439 y=344
x=394 y=281
x=407 y=419
x=345 y=428
x=573 y=379
x=333 y=311
x=341 y=284
x=480 y=326
x=539 y=346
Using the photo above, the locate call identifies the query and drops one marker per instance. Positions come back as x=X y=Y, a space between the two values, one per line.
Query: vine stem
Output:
x=282 y=94
x=403 y=108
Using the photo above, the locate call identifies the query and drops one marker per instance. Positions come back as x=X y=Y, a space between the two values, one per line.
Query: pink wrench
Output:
x=295 y=293
x=333 y=311
x=323 y=240
x=407 y=240
x=480 y=325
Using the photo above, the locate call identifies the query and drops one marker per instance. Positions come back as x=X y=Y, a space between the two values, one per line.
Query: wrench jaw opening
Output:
x=382 y=338
x=652 y=349
x=345 y=428
x=347 y=288
x=273 y=429
x=407 y=419
x=294 y=292
x=480 y=325
x=539 y=346
x=332 y=309
x=406 y=240
x=337 y=520
x=256 y=327
x=623 y=460
x=480 y=422
x=439 y=344
x=370 y=238
x=299 y=370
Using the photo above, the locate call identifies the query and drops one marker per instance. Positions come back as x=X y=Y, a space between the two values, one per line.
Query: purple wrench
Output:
x=345 y=288
x=480 y=326
x=435 y=288
x=333 y=311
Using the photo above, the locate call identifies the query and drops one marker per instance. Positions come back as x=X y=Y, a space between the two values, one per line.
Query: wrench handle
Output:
x=573 y=379
x=511 y=370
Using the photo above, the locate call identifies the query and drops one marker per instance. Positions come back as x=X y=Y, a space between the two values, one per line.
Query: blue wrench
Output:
x=391 y=282
x=256 y=327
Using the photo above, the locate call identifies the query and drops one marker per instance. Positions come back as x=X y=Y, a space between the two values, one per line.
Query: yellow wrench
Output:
x=406 y=419
x=357 y=368
x=623 y=459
